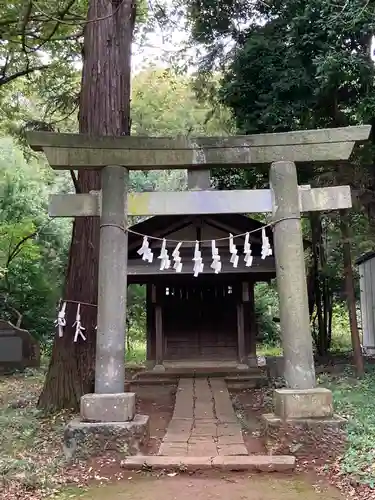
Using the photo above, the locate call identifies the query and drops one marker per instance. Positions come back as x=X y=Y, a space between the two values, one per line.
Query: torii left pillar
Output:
x=110 y=403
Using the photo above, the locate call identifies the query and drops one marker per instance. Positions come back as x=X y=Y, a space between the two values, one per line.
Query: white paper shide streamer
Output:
x=198 y=261
x=266 y=247
x=233 y=251
x=145 y=251
x=216 y=262
x=165 y=262
x=247 y=251
x=177 y=265
x=61 y=321
x=79 y=328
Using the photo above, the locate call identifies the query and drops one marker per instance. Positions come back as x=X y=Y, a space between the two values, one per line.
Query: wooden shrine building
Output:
x=206 y=318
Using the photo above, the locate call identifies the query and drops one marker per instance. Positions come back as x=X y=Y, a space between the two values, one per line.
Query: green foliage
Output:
x=266 y=310
x=354 y=400
x=341 y=337
x=164 y=104
x=32 y=247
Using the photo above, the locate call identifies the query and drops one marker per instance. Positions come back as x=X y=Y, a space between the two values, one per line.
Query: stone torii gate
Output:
x=115 y=156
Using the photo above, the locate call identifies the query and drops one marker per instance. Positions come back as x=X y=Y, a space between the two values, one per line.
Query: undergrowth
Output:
x=354 y=399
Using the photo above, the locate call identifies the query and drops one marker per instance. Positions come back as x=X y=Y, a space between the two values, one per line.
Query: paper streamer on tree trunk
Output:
x=61 y=321
x=79 y=328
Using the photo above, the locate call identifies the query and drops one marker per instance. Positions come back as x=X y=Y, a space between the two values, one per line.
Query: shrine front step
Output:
x=171 y=374
x=147 y=381
x=252 y=463
x=244 y=382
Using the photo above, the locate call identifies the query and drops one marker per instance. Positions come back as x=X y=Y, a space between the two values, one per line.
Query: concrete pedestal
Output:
x=108 y=424
x=108 y=407
x=302 y=419
x=159 y=369
x=252 y=361
x=303 y=403
x=94 y=439
x=293 y=406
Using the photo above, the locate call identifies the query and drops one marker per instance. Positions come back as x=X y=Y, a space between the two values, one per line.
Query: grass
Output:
x=30 y=443
x=355 y=399
x=269 y=350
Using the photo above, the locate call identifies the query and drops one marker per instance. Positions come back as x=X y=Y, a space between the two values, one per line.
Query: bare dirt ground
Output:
x=213 y=487
x=160 y=410
x=33 y=466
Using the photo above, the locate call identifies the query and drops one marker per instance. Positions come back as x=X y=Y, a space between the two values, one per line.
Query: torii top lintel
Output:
x=75 y=151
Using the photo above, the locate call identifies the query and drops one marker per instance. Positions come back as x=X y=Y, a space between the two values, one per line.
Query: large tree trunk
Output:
x=350 y=293
x=104 y=110
x=322 y=292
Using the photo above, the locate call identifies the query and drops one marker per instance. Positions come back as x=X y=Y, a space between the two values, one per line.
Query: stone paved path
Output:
x=204 y=423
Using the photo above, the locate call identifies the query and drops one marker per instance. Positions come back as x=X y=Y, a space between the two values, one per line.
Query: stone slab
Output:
x=91 y=439
x=108 y=407
x=173 y=449
x=204 y=429
x=167 y=463
x=180 y=425
x=176 y=437
x=270 y=420
x=263 y=463
x=228 y=429
x=202 y=450
x=303 y=403
x=230 y=440
x=232 y=450
x=159 y=369
x=18 y=348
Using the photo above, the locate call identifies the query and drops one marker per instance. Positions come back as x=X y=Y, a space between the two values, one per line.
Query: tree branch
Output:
x=27 y=71
x=16 y=250
x=24 y=22
x=59 y=17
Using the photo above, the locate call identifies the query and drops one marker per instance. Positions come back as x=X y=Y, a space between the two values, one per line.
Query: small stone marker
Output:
x=18 y=349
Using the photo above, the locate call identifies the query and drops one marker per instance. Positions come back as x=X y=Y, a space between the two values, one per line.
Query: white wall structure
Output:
x=366 y=266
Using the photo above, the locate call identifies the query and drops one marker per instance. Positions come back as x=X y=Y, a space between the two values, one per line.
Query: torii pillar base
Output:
x=108 y=424
x=303 y=420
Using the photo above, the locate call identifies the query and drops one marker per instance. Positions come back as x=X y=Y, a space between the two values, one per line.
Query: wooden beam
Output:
x=159 y=341
x=74 y=151
x=139 y=268
x=200 y=202
x=241 y=333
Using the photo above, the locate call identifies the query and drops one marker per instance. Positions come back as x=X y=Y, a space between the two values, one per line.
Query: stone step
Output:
x=245 y=377
x=155 y=381
x=258 y=463
x=174 y=373
x=246 y=382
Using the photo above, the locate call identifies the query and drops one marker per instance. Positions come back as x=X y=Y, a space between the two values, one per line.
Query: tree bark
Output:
x=316 y=233
x=350 y=294
x=104 y=110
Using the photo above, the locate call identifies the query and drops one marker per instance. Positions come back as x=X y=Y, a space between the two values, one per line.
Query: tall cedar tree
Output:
x=104 y=110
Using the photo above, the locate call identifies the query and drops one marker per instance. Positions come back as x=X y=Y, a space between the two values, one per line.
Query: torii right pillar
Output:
x=301 y=400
